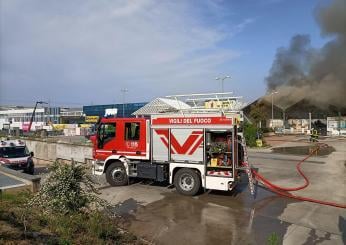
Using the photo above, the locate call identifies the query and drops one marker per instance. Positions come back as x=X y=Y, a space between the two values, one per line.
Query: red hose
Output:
x=283 y=190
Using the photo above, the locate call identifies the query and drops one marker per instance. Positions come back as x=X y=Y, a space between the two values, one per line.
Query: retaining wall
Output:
x=50 y=151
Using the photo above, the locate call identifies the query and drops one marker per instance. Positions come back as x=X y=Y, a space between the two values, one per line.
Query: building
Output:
x=266 y=111
x=18 y=117
x=336 y=125
x=71 y=115
x=93 y=112
x=298 y=118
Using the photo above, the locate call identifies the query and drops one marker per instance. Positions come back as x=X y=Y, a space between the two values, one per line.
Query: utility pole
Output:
x=222 y=79
x=124 y=90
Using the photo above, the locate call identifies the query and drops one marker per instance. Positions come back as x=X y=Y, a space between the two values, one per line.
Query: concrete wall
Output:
x=50 y=151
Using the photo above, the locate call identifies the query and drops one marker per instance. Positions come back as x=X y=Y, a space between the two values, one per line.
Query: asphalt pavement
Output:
x=7 y=182
x=160 y=215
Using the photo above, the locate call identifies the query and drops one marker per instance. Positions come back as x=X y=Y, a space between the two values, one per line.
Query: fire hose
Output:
x=283 y=191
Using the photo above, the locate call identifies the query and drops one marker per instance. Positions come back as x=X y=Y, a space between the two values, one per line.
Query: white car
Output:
x=15 y=155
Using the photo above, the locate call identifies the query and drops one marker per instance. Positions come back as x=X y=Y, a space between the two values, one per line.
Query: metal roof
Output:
x=161 y=105
x=193 y=103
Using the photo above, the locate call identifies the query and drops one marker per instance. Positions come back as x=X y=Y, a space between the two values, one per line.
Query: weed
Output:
x=273 y=239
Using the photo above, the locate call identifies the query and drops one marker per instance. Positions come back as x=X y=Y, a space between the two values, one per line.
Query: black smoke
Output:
x=316 y=75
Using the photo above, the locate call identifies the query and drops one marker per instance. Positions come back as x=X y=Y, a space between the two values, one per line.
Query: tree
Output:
x=257 y=113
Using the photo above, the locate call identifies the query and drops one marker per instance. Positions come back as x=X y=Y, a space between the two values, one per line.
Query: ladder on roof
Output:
x=247 y=167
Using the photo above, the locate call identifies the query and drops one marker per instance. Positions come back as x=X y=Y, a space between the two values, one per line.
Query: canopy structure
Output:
x=161 y=105
x=193 y=103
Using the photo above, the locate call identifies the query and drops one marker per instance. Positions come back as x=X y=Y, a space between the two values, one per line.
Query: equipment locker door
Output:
x=160 y=144
x=187 y=145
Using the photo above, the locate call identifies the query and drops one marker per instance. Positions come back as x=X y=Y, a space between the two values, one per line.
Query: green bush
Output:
x=267 y=130
x=67 y=189
x=250 y=134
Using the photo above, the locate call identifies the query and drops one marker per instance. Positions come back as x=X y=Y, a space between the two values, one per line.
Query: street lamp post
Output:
x=124 y=90
x=222 y=79
x=272 y=94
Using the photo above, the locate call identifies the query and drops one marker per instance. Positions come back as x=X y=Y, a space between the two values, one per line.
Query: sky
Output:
x=83 y=52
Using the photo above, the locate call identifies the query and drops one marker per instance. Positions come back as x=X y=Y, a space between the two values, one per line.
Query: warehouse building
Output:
x=93 y=112
x=300 y=117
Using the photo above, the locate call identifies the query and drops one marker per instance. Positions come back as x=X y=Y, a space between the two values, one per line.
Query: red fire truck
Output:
x=190 y=148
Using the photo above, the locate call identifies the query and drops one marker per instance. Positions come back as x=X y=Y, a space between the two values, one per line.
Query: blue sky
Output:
x=82 y=52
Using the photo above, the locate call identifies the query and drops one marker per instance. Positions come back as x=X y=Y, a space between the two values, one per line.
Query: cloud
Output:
x=86 y=51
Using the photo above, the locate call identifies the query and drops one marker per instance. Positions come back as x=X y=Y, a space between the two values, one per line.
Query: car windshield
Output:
x=13 y=152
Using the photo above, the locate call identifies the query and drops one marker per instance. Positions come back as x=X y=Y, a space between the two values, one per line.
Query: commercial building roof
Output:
x=161 y=105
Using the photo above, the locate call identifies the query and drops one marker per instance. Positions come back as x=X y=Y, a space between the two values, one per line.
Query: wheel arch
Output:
x=112 y=159
x=109 y=162
x=176 y=169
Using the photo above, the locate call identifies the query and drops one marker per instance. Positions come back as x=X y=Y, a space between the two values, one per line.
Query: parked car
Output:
x=14 y=154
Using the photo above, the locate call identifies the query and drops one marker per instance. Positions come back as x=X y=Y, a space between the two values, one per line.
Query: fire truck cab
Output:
x=190 y=150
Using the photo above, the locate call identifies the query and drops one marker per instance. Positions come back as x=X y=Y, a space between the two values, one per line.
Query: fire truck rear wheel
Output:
x=116 y=174
x=187 y=182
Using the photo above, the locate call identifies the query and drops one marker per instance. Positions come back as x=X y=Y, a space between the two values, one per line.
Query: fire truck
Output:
x=186 y=144
x=15 y=155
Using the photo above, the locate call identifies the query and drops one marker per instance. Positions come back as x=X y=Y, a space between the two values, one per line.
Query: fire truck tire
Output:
x=116 y=174
x=187 y=182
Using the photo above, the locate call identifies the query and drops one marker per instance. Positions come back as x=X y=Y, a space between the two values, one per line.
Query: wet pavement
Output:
x=304 y=150
x=161 y=216
x=219 y=217
x=211 y=218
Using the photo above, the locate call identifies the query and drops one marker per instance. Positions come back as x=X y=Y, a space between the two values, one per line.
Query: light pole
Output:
x=272 y=94
x=124 y=90
x=222 y=79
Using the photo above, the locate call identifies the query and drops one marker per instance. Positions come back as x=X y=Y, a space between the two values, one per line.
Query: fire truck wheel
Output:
x=116 y=174
x=187 y=182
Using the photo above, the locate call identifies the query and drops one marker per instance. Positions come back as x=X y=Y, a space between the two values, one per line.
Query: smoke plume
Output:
x=317 y=75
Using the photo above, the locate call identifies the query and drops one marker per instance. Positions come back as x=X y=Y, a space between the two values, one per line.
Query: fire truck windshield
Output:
x=14 y=152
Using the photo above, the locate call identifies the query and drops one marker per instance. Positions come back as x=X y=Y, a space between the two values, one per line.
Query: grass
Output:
x=273 y=239
x=20 y=225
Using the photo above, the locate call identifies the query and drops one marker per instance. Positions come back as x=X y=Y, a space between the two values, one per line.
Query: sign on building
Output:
x=216 y=104
x=91 y=119
x=111 y=112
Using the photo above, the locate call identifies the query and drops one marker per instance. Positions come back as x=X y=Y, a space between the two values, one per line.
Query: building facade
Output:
x=123 y=110
x=19 y=117
x=71 y=116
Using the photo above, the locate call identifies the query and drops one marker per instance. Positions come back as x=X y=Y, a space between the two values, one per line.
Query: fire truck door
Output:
x=106 y=140
x=135 y=138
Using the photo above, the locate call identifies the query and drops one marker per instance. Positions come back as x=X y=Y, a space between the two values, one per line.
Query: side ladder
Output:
x=247 y=167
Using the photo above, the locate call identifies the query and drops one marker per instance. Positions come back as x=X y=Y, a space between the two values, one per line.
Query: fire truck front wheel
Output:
x=187 y=182
x=116 y=174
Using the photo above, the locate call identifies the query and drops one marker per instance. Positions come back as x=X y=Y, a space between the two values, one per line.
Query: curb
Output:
x=33 y=182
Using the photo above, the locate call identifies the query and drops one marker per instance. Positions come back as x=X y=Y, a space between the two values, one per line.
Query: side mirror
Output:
x=31 y=154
